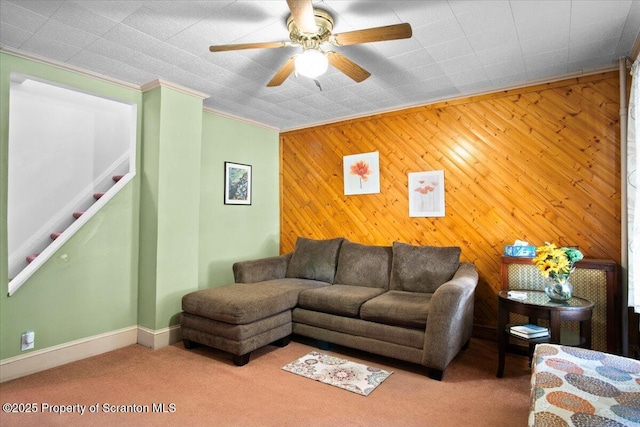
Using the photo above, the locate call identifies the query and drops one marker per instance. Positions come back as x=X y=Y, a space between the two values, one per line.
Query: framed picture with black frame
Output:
x=237 y=184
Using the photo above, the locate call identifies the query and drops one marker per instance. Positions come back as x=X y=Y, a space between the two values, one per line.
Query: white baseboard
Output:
x=160 y=338
x=47 y=358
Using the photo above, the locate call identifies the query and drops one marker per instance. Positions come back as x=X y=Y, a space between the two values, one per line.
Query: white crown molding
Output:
x=159 y=82
x=47 y=358
x=67 y=67
x=240 y=119
x=147 y=86
x=581 y=73
x=164 y=83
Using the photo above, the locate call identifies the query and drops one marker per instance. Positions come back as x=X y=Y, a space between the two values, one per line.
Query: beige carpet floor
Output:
x=203 y=387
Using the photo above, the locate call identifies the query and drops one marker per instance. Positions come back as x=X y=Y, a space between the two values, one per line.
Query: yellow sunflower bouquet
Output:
x=554 y=262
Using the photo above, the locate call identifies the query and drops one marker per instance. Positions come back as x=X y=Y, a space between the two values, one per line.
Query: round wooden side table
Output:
x=536 y=306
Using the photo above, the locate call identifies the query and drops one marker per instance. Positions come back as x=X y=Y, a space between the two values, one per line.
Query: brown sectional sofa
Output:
x=413 y=303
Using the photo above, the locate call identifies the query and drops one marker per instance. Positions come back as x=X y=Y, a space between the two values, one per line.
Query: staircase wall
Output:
x=90 y=286
x=55 y=167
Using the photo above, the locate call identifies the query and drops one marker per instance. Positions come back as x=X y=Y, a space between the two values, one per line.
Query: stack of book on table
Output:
x=529 y=331
x=521 y=295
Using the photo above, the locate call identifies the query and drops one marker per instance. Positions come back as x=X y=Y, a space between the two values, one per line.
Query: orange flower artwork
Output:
x=427 y=188
x=426 y=194
x=361 y=173
x=361 y=168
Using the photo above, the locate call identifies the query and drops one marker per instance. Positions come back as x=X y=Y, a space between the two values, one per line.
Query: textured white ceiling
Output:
x=458 y=48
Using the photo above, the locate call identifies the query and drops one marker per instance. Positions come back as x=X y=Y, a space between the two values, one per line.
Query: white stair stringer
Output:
x=40 y=239
x=52 y=247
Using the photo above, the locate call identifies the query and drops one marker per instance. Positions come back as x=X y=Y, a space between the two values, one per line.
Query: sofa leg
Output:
x=323 y=345
x=466 y=345
x=282 y=342
x=242 y=359
x=435 y=374
x=188 y=344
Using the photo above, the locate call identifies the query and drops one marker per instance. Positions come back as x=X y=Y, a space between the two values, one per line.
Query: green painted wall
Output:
x=93 y=288
x=167 y=233
x=230 y=233
x=172 y=136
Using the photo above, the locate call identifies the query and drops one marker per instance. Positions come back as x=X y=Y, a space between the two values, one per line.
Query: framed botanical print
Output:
x=426 y=194
x=362 y=173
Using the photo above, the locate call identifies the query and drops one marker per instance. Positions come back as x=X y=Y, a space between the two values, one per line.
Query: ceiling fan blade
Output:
x=228 y=47
x=348 y=67
x=377 y=34
x=282 y=73
x=302 y=12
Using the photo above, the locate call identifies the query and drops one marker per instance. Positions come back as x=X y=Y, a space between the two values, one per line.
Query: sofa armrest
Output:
x=450 y=319
x=262 y=269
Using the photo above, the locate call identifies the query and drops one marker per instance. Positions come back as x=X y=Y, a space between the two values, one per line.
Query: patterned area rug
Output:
x=338 y=372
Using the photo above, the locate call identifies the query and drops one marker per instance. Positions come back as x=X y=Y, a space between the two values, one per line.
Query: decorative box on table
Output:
x=520 y=251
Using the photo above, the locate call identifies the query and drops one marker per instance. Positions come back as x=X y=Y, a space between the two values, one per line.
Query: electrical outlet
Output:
x=28 y=340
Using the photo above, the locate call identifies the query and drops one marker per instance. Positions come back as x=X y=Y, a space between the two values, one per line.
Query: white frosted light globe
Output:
x=311 y=63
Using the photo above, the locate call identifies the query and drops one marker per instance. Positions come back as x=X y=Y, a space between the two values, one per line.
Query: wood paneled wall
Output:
x=541 y=163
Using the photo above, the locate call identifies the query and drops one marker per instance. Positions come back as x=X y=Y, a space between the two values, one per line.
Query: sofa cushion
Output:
x=364 y=265
x=422 y=268
x=243 y=303
x=314 y=259
x=398 y=308
x=400 y=335
x=343 y=300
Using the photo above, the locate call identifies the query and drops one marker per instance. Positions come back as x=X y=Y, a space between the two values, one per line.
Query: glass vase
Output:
x=559 y=289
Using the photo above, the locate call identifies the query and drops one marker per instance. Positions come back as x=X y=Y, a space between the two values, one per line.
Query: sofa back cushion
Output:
x=364 y=265
x=422 y=268
x=314 y=259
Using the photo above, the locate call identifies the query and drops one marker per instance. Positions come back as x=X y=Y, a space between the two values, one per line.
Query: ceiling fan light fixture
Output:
x=311 y=63
x=309 y=29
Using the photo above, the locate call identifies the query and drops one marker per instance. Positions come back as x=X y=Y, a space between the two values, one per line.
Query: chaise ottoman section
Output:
x=235 y=332
x=242 y=303
x=239 y=340
x=242 y=317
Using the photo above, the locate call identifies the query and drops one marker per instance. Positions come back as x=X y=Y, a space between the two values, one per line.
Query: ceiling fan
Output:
x=311 y=28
